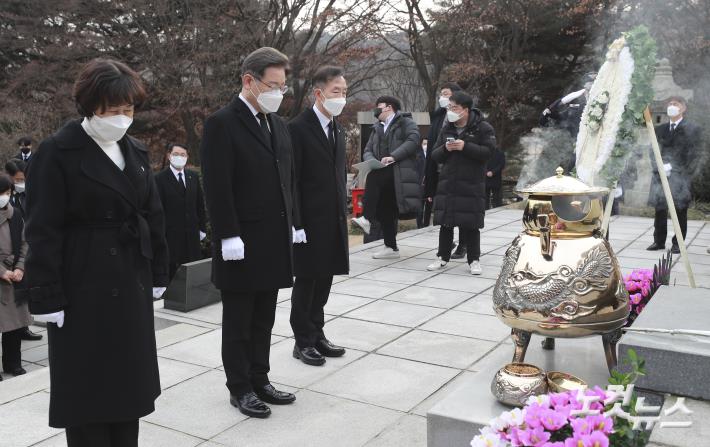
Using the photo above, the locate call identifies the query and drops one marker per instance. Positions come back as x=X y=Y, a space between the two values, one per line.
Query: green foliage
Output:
x=624 y=435
x=643 y=50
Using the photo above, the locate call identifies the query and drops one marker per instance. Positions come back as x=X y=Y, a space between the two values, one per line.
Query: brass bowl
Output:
x=514 y=383
x=560 y=382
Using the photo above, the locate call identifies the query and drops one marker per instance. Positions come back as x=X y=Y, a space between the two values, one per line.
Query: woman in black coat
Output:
x=463 y=148
x=97 y=259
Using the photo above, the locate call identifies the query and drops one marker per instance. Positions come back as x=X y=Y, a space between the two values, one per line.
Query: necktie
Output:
x=331 y=135
x=672 y=127
x=264 y=125
x=180 y=180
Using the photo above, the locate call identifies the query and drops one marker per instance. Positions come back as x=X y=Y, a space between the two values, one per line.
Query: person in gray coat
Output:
x=394 y=191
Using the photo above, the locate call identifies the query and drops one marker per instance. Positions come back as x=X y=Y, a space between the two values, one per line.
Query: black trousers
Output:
x=494 y=197
x=11 y=344
x=247 y=320
x=112 y=434
x=660 y=225
x=308 y=299
x=380 y=203
x=472 y=239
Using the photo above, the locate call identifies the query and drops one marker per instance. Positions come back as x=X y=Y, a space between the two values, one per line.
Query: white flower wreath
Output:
x=596 y=141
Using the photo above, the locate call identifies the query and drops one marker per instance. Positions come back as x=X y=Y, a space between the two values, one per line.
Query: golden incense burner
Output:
x=560 y=277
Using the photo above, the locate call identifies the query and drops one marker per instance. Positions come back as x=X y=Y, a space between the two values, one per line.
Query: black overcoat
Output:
x=461 y=194
x=248 y=181
x=321 y=198
x=679 y=148
x=185 y=215
x=96 y=249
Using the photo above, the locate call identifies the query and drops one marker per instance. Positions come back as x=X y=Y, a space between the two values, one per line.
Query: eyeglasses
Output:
x=454 y=108
x=282 y=88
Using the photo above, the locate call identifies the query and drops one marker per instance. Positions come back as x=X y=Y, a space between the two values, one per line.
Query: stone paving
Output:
x=412 y=337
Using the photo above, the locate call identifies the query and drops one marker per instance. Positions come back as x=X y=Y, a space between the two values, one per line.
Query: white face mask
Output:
x=4 y=200
x=178 y=161
x=109 y=128
x=452 y=116
x=334 y=106
x=20 y=187
x=443 y=101
x=673 y=111
x=270 y=101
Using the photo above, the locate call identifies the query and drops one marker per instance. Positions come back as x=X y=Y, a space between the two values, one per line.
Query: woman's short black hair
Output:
x=103 y=83
x=390 y=101
x=12 y=167
x=462 y=98
x=6 y=183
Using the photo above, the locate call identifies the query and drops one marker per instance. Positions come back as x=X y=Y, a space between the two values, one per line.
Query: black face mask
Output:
x=25 y=149
x=377 y=112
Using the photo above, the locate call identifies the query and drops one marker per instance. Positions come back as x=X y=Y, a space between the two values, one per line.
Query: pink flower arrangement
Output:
x=641 y=286
x=549 y=420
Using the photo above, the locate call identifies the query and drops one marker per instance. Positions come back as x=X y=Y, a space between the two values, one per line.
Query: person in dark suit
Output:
x=494 y=179
x=185 y=218
x=97 y=258
x=679 y=140
x=248 y=178
x=25 y=145
x=319 y=154
x=421 y=166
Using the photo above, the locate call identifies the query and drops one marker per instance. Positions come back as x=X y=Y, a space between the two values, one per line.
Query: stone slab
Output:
x=676 y=364
x=409 y=431
x=456 y=418
x=696 y=435
x=24 y=421
x=192 y=287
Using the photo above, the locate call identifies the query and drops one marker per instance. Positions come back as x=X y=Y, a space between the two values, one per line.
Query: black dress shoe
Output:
x=28 y=335
x=17 y=371
x=308 y=355
x=328 y=349
x=459 y=253
x=250 y=405
x=271 y=395
x=675 y=249
x=655 y=246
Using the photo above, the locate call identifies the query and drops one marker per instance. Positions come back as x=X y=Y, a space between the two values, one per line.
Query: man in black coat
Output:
x=319 y=155
x=248 y=178
x=25 y=145
x=679 y=141
x=185 y=219
x=494 y=179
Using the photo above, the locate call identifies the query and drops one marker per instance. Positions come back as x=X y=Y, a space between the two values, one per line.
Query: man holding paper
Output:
x=393 y=191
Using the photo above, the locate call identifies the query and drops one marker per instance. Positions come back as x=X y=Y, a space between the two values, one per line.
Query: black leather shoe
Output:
x=28 y=335
x=17 y=371
x=675 y=249
x=459 y=253
x=250 y=405
x=271 y=395
x=655 y=246
x=328 y=349
x=308 y=355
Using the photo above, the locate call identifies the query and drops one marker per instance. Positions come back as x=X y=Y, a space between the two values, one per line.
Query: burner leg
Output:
x=610 y=339
x=548 y=344
x=521 y=340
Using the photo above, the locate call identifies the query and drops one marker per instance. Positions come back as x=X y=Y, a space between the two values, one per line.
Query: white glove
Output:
x=158 y=292
x=54 y=317
x=232 y=249
x=668 y=168
x=618 y=192
x=572 y=96
x=546 y=112
x=203 y=235
x=299 y=236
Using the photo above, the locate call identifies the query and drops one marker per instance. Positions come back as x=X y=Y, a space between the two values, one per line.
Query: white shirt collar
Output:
x=251 y=107
x=324 y=121
x=176 y=172
x=677 y=123
x=388 y=121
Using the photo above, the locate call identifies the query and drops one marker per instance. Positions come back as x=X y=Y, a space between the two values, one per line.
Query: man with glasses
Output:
x=247 y=171
x=393 y=191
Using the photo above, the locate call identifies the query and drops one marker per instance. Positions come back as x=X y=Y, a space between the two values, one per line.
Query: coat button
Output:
x=113 y=251
x=114 y=292
x=109 y=214
x=283 y=186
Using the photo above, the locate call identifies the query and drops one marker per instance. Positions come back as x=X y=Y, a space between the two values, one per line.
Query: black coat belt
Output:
x=135 y=228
